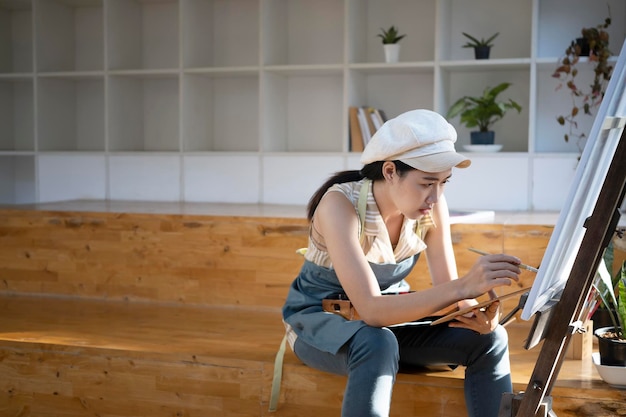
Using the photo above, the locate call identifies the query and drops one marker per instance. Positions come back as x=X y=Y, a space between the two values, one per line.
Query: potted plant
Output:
x=482 y=112
x=390 y=38
x=612 y=339
x=594 y=43
x=482 y=47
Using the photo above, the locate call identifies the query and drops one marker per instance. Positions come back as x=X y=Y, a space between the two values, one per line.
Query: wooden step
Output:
x=147 y=253
x=206 y=254
x=201 y=259
x=87 y=357
x=144 y=309
x=77 y=357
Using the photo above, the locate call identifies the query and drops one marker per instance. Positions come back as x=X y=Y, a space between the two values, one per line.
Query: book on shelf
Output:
x=369 y=118
x=365 y=128
x=364 y=121
x=356 y=136
x=380 y=115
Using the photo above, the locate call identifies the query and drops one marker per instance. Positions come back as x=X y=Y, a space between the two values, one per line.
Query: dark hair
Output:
x=373 y=171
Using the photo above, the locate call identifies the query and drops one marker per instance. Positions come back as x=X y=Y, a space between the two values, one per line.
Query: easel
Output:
x=563 y=322
x=558 y=319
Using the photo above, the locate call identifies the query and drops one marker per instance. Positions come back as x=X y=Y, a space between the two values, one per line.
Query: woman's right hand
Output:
x=492 y=271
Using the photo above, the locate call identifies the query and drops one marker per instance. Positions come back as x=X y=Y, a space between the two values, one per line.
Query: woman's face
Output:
x=416 y=192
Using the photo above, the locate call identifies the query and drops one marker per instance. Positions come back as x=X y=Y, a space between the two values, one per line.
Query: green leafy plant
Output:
x=483 y=111
x=596 y=39
x=390 y=35
x=475 y=43
x=612 y=292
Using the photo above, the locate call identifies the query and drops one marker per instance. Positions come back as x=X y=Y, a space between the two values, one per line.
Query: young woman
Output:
x=368 y=228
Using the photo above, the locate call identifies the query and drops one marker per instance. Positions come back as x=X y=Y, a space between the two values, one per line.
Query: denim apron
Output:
x=303 y=306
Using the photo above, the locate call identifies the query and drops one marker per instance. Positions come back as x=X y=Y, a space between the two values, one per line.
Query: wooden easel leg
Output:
x=509 y=405
x=506 y=405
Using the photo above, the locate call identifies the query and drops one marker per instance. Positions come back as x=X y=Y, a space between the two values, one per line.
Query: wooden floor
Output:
x=72 y=357
x=115 y=311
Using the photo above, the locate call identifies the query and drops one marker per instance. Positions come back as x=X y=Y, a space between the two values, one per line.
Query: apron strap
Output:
x=278 y=375
x=362 y=207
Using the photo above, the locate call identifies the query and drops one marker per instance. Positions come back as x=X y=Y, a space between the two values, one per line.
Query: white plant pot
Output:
x=392 y=52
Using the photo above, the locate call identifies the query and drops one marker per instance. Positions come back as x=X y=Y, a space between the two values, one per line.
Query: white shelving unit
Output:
x=247 y=100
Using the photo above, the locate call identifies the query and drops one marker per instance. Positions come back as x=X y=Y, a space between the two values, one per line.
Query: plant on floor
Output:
x=612 y=292
x=483 y=111
x=594 y=43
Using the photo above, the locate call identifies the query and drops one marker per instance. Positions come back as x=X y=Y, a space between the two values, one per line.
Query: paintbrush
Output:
x=523 y=266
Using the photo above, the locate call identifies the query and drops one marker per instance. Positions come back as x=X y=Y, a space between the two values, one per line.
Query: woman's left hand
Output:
x=481 y=321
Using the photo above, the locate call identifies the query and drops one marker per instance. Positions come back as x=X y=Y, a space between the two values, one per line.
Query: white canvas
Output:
x=569 y=231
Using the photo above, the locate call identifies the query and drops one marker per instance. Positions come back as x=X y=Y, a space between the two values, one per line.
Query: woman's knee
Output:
x=500 y=340
x=375 y=344
x=494 y=350
x=499 y=337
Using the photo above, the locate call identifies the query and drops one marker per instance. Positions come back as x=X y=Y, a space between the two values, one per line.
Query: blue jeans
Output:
x=372 y=357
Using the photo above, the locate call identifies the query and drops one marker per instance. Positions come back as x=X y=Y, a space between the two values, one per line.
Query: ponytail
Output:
x=337 y=178
x=373 y=171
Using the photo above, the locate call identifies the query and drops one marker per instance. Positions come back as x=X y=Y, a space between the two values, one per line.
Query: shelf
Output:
x=220 y=33
x=70 y=114
x=149 y=98
x=513 y=129
x=487 y=65
x=331 y=69
x=16 y=115
x=417 y=20
x=394 y=68
x=155 y=177
x=217 y=108
x=72 y=176
x=142 y=34
x=511 y=19
x=230 y=188
x=303 y=113
x=143 y=113
x=507 y=175
x=17 y=153
x=551 y=63
x=300 y=174
x=392 y=92
x=560 y=170
x=17 y=179
x=70 y=35
x=146 y=73
x=553 y=102
x=224 y=71
x=301 y=32
x=16 y=39
x=557 y=29
x=74 y=75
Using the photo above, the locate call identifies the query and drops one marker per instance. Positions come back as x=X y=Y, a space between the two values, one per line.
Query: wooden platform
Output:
x=72 y=357
x=153 y=314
